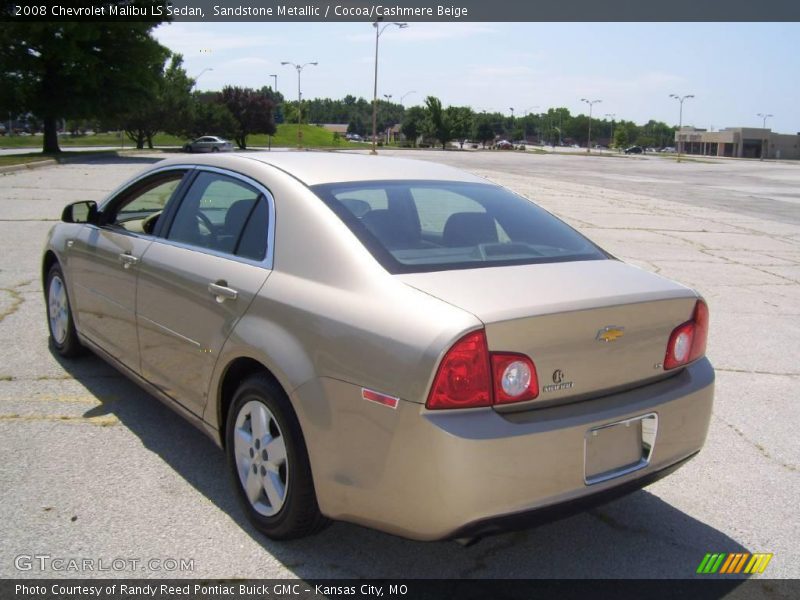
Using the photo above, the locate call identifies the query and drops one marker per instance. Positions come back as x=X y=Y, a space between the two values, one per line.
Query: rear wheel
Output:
x=63 y=336
x=269 y=462
x=215 y=149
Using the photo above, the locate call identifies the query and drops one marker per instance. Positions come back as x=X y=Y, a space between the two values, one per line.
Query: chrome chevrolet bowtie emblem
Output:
x=610 y=333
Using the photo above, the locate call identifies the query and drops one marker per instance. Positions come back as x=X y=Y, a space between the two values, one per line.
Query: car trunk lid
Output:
x=591 y=327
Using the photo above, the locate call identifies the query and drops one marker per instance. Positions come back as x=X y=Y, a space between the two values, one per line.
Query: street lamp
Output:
x=589 y=141
x=680 y=120
x=764 y=126
x=403 y=97
x=612 y=115
x=299 y=97
x=275 y=79
x=378 y=31
x=201 y=73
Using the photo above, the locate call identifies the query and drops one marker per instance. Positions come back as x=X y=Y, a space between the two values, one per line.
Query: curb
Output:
x=29 y=165
x=49 y=162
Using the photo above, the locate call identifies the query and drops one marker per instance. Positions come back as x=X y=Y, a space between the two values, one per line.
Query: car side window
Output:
x=138 y=209
x=224 y=214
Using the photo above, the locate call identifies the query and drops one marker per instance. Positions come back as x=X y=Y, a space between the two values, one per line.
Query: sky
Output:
x=734 y=70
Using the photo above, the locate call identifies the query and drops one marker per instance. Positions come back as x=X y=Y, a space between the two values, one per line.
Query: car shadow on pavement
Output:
x=638 y=536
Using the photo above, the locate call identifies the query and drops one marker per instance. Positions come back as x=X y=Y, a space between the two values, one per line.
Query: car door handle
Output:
x=127 y=260
x=222 y=292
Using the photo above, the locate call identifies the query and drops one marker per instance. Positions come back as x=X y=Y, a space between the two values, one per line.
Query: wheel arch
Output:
x=48 y=261
x=235 y=372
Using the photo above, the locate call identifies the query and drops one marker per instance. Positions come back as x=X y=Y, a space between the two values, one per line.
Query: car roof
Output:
x=314 y=168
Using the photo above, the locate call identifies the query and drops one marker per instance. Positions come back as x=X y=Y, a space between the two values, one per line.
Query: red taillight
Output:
x=465 y=376
x=463 y=379
x=688 y=341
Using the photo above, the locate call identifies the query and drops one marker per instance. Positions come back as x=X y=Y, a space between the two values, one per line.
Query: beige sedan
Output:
x=388 y=342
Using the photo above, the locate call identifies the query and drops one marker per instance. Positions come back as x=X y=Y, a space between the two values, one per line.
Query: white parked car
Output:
x=208 y=143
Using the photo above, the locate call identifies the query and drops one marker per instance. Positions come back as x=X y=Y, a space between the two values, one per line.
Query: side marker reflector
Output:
x=373 y=396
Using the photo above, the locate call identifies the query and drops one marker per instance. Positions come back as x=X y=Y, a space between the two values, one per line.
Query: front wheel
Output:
x=63 y=336
x=269 y=462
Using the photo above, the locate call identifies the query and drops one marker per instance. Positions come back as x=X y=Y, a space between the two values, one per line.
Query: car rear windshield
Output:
x=419 y=226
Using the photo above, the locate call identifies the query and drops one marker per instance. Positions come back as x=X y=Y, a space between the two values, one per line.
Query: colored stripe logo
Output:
x=728 y=564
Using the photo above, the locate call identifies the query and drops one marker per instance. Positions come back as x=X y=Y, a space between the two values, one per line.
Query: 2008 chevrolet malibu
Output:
x=388 y=342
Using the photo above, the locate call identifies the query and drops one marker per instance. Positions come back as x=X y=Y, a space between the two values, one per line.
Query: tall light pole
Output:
x=403 y=97
x=275 y=79
x=589 y=141
x=612 y=115
x=299 y=97
x=680 y=120
x=378 y=31
x=201 y=73
x=764 y=126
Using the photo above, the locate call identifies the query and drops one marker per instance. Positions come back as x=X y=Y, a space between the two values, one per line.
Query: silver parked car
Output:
x=208 y=143
x=394 y=343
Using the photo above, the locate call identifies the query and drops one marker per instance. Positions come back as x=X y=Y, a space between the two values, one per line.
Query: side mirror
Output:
x=80 y=212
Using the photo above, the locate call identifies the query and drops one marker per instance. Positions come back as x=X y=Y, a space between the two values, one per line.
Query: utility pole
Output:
x=589 y=141
x=764 y=143
x=299 y=97
x=680 y=120
x=378 y=31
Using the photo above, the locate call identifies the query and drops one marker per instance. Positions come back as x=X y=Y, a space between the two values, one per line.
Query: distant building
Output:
x=739 y=142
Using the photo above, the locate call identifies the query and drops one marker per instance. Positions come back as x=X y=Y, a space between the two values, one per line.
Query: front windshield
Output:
x=418 y=226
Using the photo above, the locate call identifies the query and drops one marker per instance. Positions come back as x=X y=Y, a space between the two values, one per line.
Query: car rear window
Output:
x=419 y=226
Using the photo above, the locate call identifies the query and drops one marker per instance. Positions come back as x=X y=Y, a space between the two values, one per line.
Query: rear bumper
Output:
x=439 y=474
x=554 y=512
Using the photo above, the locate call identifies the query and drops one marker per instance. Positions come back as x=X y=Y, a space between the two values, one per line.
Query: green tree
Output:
x=251 y=110
x=460 y=119
x=209 y=117
x=168 y=108
x=482 y=130
x=74 y=70
x=437 y=123
x=621 y=137
x=413 y=123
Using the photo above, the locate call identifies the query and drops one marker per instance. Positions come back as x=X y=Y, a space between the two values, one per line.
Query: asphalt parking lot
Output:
x=95 y=468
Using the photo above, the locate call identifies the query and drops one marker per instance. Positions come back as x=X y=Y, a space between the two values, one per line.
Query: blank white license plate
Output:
x=619 y=448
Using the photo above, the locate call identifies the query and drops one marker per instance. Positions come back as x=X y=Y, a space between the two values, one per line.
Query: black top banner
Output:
x=405 y=10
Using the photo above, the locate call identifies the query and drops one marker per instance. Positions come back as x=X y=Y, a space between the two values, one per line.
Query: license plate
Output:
x=619 y=448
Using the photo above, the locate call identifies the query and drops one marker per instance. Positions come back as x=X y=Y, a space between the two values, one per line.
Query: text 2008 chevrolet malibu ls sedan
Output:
x=389 y=342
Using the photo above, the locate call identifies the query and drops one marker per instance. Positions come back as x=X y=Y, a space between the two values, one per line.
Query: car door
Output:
x=104 y=264
x=198 y=280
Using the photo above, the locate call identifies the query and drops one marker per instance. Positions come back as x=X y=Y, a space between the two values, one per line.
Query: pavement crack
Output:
x=761 y=450
x=481 y=558
x=16 y=300
x=752 y=372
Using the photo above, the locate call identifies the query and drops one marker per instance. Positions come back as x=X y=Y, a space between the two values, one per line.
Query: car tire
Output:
x=215 y=149
x=268 y=462
x=63 y=337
